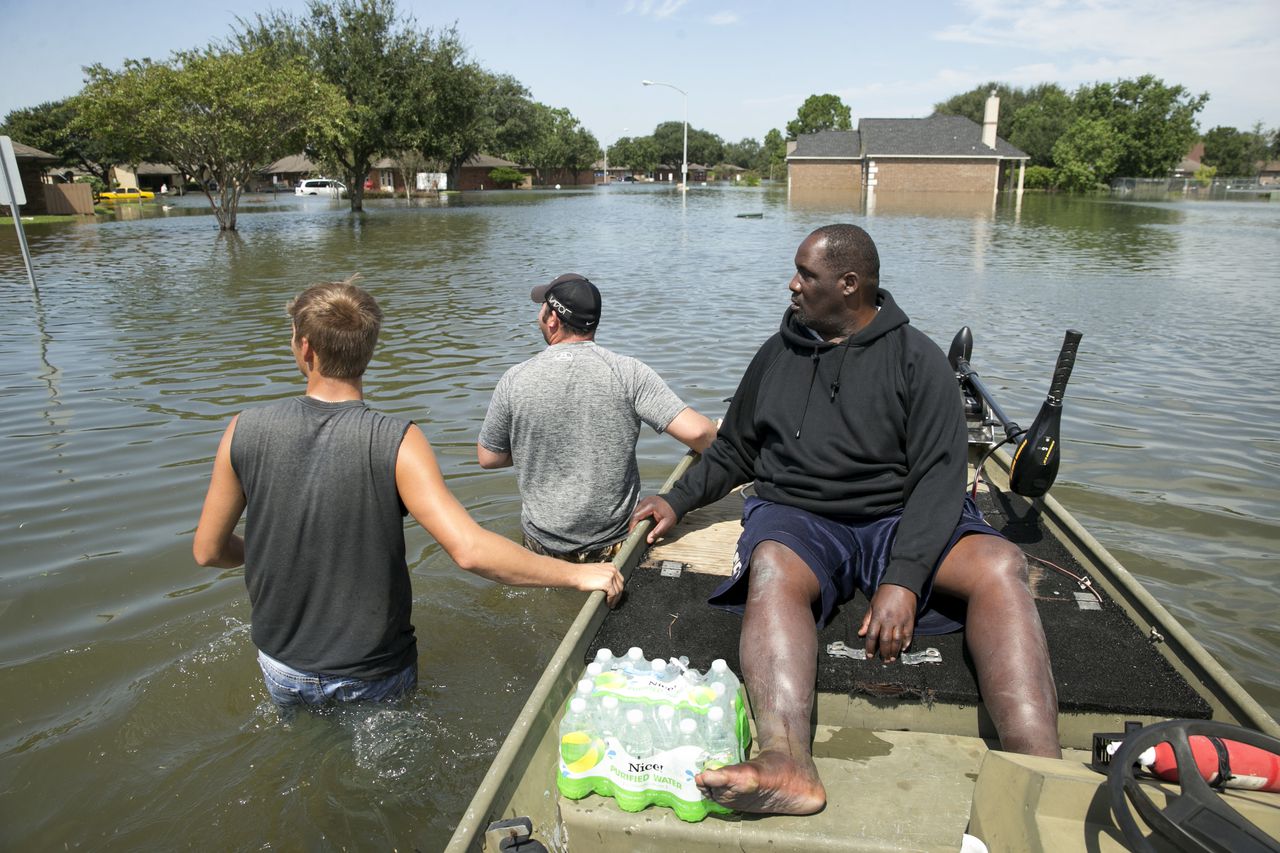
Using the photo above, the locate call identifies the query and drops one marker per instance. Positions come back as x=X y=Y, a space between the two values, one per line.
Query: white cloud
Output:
x=723 y=19
x=1223 y=49
x=654 y=8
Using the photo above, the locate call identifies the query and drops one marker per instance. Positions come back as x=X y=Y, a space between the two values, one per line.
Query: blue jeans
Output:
x=292 y=688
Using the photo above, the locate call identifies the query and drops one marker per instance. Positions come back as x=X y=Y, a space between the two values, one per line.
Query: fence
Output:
x=65 y=199
x=1216 y=189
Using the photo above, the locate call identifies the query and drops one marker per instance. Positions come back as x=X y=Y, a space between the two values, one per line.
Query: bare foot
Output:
x=771 y=783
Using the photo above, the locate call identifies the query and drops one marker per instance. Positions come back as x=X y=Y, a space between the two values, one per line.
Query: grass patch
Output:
x=46 y=219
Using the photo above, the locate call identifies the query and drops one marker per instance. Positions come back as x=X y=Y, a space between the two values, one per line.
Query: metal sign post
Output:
x=11 y=193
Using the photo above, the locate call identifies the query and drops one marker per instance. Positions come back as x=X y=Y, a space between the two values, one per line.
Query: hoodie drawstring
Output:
x=835 y=384
x=809 y=393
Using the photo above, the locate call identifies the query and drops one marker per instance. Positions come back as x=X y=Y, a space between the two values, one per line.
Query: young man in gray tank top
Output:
x=568 y=420
x=326 y=481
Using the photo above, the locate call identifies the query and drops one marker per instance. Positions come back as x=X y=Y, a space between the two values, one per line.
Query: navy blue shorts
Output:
x=846 y=556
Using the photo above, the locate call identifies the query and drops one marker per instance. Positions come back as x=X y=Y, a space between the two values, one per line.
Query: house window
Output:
x=388 y=179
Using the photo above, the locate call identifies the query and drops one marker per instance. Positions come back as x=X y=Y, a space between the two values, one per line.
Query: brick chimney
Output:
x=989 y=120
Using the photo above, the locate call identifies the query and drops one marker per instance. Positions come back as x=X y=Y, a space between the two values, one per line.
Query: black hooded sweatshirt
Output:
x=853 y=430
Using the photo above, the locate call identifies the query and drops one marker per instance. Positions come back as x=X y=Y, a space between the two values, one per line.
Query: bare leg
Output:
x=779 y=663
x=1006 y=640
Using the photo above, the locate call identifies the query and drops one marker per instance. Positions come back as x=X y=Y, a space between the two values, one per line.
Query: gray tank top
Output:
x=324 y=536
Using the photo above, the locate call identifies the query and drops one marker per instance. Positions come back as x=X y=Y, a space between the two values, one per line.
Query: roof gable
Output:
x=935 y=136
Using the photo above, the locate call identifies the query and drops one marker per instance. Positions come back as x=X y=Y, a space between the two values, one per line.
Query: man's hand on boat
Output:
x=655 y=507
x=604 y=577
x=889 y=622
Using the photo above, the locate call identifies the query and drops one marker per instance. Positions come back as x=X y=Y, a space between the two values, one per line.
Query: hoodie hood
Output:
x=889 y=317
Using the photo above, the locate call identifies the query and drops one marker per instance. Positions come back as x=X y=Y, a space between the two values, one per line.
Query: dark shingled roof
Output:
x=845 y=144
x=491 y=162
x=935 y=136
x=26 y=152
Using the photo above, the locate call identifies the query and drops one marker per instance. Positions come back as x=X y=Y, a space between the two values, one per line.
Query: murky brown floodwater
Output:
x=134 y=715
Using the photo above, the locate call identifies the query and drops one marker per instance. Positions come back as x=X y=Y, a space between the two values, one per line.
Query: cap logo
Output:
x=560 y=307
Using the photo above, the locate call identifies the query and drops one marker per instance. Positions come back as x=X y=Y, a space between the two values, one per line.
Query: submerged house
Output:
x=941 y=153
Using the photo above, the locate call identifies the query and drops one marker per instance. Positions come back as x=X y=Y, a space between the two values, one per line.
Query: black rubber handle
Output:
x=1066 y=361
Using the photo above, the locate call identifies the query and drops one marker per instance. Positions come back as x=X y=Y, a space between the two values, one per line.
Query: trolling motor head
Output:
x=1036 y=457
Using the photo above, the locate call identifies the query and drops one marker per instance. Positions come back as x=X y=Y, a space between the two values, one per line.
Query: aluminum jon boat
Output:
x=908 y=754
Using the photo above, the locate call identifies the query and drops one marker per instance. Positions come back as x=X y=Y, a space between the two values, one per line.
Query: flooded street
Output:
x=134 y=714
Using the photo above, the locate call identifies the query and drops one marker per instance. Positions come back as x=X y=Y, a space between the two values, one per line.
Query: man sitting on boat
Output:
x=568 y=420
x=851 y=425
x=326 y=482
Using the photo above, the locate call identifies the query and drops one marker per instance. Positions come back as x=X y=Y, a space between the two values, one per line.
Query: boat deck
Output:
x=883 y=735
x=1102 y=663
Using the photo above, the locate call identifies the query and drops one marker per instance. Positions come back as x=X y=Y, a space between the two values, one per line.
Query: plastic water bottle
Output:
x=577 y=717
x=664 y=727
x=660 y=671
x=585 y=688
x=605 y=658
x=636 y=740
x=723 y=698
x=720 y=673
x=689 y=735
x=635 y=662
x=594 y=668
x=610 y=722
x=722 y=742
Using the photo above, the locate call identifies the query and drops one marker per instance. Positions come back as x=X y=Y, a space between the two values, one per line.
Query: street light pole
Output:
x=684 y=165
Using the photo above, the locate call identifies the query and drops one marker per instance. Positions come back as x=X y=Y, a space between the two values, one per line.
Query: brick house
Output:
x=941 y=153
x=32 y=163
x=826 y=160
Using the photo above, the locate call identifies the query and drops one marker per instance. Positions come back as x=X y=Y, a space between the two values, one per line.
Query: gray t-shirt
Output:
x=570 y=417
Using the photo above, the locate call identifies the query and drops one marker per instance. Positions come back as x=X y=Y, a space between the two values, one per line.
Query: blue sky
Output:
x=746 y=66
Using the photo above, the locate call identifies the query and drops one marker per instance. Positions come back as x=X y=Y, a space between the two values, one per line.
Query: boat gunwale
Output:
x=498 y=780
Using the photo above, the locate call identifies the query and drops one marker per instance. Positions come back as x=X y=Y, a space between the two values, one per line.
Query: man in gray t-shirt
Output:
x=568 y=420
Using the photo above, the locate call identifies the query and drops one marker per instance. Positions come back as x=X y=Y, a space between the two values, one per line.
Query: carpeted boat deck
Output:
x=1101 y=661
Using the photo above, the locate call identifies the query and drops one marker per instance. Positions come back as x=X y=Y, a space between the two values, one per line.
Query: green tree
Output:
x=511 y=117
x=745 y=153
x=1087 y=154
x=403 y=88
x=560 y=142
x=217 y=114
x=637 y=153
x=1036 y=126
x=52 y=128
x=506 y=175
x=973 y=105
x=704 y=147
x=820 y=112
x=773 y=155
x=1154 y=123
x=1235 y=153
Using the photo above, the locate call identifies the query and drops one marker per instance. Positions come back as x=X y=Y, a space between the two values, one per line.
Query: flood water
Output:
x=134 y=716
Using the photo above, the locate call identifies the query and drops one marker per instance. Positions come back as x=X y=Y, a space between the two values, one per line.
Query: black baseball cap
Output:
x=574 y=299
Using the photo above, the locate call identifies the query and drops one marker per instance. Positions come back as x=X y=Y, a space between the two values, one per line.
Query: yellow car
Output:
x=126 y=194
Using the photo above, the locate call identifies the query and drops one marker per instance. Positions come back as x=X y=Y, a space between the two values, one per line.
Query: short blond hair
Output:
x=342 y=322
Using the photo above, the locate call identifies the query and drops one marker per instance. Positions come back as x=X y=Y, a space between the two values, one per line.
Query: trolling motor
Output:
x=1035 y=461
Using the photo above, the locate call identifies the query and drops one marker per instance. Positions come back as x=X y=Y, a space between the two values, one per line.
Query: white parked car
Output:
x=320 y=186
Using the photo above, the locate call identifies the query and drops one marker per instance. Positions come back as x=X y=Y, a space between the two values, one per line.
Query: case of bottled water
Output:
x=640 y=731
